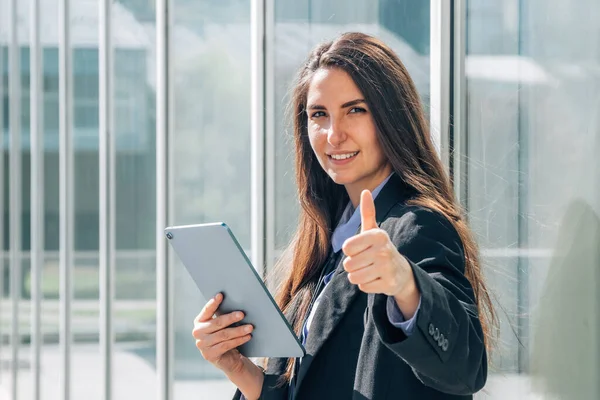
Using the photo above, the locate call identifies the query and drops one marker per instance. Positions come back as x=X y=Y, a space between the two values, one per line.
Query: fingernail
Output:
x=248 y=328
x=239 y=315
x=218 y=297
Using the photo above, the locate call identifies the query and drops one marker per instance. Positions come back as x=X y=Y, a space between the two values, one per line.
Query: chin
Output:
x=341 y=179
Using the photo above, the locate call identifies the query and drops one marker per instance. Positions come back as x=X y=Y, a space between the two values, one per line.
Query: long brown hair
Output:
x=404 y=136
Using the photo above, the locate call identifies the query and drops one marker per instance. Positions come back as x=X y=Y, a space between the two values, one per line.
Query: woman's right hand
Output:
x=217 y=342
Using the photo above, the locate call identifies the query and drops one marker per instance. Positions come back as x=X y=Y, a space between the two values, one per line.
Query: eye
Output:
x=357 y=110
x=318 y=114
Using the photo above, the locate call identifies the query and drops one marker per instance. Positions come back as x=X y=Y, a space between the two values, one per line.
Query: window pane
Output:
x=534 y=189
x=51 y=113
x=86 y=194
x=135 y=191
x=7 y=263
x=86 y=115
x=210 y=153
x=299 y=26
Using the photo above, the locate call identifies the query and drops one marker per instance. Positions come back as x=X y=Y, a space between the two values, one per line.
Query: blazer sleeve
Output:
x=270 y=390
x=446 y=349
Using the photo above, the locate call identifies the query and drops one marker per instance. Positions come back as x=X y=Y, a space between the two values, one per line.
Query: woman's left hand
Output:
x=375 y=265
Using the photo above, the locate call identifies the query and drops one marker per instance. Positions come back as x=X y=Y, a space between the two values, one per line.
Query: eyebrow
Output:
x=345 y=105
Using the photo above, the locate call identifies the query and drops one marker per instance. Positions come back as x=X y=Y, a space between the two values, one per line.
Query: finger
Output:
x=216 y=324
x=364 y=276
x=376 y=286
x=367 y=211
x=227 y=334
x=223 y=347
x=210 y=308
x=363 y=241
x=357 y=262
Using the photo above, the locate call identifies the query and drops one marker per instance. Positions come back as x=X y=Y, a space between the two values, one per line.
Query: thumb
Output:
x=367 y=211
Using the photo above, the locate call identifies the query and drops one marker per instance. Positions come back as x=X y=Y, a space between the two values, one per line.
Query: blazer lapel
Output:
x=339 y=294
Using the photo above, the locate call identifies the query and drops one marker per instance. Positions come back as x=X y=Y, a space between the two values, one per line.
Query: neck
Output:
x=369 y=183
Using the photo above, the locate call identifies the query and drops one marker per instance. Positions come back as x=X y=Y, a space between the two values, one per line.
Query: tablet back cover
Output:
x=217 y=263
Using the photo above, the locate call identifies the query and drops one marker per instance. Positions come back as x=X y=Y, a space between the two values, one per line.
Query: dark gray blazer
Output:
x=353 y=352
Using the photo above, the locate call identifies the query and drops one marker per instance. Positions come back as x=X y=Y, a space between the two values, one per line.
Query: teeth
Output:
x=343 y=156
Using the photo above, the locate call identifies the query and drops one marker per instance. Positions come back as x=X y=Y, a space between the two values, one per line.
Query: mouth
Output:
x=342 y=157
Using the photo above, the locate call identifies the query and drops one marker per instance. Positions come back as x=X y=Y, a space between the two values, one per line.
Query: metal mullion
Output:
x=15 y=179
x=440 y=22
x=257 y=135
x=164 y=278
x=523 y=202
x=37 y=191
x=269 y=97
x=107 y=193
x=65 y=194
x=2 y=254
x=459 y=104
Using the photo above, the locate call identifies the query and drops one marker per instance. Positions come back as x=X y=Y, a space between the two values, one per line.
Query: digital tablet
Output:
x=217 y=264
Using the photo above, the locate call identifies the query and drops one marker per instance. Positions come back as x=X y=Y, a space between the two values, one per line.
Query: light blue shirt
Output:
x=346 y=228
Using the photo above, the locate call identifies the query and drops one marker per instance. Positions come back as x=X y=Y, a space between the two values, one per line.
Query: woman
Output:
x=383 y=282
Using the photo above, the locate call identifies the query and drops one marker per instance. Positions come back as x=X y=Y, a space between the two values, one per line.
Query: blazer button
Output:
x=445 y=345
x=431 y=329
x=436 y=334
x=441 y=340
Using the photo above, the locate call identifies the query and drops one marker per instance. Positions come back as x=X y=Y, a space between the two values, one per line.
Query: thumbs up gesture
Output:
x=373 y=262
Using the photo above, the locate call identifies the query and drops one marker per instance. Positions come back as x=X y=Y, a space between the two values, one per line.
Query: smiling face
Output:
x=342 y=133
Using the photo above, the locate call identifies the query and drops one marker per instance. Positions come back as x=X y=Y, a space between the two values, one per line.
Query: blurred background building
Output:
x=512 y=88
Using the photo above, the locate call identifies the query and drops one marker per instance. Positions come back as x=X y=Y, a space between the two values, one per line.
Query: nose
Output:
x=336 y=134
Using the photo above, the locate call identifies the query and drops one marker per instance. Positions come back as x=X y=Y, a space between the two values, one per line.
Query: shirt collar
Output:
x=350 y=220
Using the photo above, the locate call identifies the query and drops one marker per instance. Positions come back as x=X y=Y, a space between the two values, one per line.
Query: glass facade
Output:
x=524 y=165
x=210 y=155
x=533 y=188
x=134 y=207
